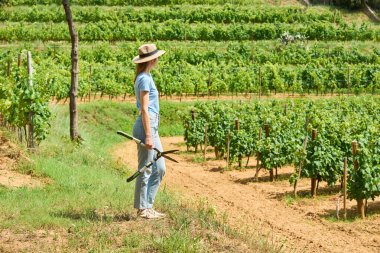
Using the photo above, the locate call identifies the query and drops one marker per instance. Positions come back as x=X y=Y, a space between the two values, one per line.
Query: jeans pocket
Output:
x=154 y=131
x=153 y=121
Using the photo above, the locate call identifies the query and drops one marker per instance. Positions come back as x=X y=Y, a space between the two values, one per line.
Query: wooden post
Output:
x=313 y=180
x=271 y=175
x=237 y=124
x=260 y=80
x=30 y=117
x=360 y=202
x=205 y=143
x=209 y=83
x=266 y=127
x=8 y=68
x=19 y=60
x=258 y=159
x=193 y=118
x=237 y=127
x=300 y=168
x=354 y=146
x=345 y=188
x=228 y=148
x=26 y=135
x=89 y=94
x=348 y=80
x=19 y=134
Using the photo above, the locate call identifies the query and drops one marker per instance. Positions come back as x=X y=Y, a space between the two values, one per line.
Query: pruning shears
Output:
x=158 y=156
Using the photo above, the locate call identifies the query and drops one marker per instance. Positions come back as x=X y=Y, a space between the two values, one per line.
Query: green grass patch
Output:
x=290 y=200
x=84 y=177
x=198 y=158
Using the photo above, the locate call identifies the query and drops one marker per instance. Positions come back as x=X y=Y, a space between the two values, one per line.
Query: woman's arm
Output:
x=144 y=100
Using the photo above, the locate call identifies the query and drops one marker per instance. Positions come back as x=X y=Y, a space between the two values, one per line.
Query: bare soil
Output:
x=303 y=224
x=188 y=98
x=25 y=241
x=9 y=177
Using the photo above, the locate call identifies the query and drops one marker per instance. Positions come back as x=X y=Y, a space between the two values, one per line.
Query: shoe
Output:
x=148 y=214
x=161 y=215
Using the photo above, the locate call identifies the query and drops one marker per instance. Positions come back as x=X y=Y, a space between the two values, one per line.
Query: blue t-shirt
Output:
x=144 y=82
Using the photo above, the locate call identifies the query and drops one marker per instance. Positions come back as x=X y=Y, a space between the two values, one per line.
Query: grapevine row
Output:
x=23 y=107
x=138 y=2
x=186 y=13
x=210 y=78
x=329 y=125
x=240 y=53
x=178 y=30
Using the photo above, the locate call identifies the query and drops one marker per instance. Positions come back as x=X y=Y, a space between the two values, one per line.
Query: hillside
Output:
x=212 y=47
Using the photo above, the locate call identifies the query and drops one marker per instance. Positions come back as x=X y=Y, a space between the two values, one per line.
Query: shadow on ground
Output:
x=373 y=208
x=93 y=215
x=263 y=179
x=306 y=193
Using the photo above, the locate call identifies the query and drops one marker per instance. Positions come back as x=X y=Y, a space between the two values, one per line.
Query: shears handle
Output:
x=131 y=178
x=137 y=173
x=131 y=138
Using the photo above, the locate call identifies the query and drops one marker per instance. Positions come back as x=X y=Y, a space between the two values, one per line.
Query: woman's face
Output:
x=154 y=62
x=151 y=65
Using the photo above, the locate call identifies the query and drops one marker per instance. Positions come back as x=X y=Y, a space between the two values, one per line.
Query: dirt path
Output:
x=9 y=155
x=188 y=98
x=303 y=226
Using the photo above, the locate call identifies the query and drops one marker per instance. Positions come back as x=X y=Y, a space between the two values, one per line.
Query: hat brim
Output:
x=137 y=59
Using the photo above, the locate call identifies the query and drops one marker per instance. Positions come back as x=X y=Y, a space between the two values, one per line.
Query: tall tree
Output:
x=74 y=73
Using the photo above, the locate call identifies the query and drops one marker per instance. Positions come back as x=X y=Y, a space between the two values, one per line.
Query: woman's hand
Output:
x=148 y=142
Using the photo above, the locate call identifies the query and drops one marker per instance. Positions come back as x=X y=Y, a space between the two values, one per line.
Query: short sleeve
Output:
x=143 y=83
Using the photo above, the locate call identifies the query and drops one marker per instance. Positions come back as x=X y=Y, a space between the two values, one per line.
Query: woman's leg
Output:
x=144 y=157
x=158 y=171
x=141 y=187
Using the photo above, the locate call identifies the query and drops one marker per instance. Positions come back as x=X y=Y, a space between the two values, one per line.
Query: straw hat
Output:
x=147 y=52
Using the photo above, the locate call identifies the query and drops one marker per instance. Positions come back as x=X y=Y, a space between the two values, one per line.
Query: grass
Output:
x=198 y=158
x=305 y=196
x=88 y=204
x=289 y=199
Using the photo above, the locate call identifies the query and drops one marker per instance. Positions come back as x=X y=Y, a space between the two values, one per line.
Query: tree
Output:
x=74 y=73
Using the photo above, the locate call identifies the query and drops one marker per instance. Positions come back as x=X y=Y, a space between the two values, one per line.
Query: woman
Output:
x=146 y=129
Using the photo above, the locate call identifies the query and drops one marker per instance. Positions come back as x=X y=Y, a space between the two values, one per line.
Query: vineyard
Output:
x=21 y=103
x=242 y=47
x=314 y=136
x=287 y=110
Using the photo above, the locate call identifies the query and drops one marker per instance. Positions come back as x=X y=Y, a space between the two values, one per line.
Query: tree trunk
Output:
x=313 y=191
x=74 y=72
x=361 y=208
x=271 y=176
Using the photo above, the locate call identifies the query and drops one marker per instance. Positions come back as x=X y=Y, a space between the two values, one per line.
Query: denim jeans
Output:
x=148 y=182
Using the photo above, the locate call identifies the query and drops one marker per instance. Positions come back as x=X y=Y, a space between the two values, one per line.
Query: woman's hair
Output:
x=141 y=67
